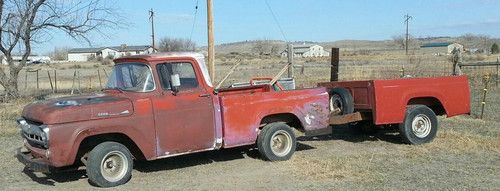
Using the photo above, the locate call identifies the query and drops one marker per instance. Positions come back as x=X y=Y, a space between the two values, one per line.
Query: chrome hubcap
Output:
x=421 y=126
x=281 y=143
x=114 y=166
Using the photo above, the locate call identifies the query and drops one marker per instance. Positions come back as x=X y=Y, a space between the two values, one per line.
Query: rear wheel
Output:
x=341 y=101
x=109 y=164
x=276 y=142
x=419 y=126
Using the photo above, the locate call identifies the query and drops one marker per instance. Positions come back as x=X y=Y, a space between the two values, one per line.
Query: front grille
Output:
x=33 y=133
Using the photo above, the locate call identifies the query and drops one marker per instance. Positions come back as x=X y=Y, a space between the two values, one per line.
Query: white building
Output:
x=86 y=54
x=33 y=59
x=313 y=50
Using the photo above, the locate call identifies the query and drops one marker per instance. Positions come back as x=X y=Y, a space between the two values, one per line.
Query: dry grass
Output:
x=463 y=156
x=9 y=112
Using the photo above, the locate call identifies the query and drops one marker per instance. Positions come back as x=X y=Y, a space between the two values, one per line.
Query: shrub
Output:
x=495 y=49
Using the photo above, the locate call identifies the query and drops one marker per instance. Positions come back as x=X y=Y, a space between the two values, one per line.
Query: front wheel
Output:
x=276 y=142
x=419 y=126
x=109 y=164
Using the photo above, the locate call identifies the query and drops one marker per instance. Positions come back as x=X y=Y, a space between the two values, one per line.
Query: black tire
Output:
x=341 y=98
x=108 y=154
x=282 y=134
x=419 y=126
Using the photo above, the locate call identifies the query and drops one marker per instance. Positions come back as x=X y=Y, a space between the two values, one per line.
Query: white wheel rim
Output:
x=114 y=166
x=421 y=126
x=336 y=103
x=281 y=143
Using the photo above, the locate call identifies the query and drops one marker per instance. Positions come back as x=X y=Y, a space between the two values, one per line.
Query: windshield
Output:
x=135 y=77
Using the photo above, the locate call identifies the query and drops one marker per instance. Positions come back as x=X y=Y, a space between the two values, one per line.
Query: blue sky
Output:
x=311 y=20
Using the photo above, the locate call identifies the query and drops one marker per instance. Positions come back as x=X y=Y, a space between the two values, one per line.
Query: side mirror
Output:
x=175 y=83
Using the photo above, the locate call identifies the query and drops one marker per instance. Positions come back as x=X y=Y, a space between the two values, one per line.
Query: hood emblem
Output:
x=106 y=114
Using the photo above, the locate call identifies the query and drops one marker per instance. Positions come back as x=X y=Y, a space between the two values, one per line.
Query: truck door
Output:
x=185 y=121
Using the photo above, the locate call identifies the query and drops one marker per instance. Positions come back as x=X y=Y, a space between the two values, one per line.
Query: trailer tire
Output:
x=109 y=164
x=419 y=126
x=341 y=98
x=276 y=142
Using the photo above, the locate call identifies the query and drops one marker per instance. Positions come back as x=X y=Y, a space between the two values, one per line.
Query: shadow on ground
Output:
x=195 y=159
x=51 y=179
x=356 y=135
x=172 y=163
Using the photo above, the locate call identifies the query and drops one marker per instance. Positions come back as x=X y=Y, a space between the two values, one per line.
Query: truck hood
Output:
x=78 y=108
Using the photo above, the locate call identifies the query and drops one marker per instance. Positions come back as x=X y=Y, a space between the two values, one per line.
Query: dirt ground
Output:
x=464 y=156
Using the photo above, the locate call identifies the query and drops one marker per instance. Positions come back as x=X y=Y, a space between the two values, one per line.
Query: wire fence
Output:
x=74 y=80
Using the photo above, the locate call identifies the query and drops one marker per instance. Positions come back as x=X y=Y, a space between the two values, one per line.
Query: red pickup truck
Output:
x=163 y=105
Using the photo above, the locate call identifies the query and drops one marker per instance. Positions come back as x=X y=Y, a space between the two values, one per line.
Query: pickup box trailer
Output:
x=163 y=105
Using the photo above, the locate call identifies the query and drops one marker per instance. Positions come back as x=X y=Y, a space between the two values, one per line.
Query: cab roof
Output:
x=163 y=56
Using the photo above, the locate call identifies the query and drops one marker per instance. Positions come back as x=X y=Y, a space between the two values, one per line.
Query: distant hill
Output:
x=468 y=40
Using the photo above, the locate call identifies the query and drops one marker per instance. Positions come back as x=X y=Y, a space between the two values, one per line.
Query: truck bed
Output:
x=244 y=110
x=386 y=100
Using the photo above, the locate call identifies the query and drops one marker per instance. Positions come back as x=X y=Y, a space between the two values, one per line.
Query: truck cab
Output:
x=163 y=105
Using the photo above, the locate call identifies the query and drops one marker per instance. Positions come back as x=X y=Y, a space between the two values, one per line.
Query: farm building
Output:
x=33 y=59
x=441 y=47
x=303 y=51
x=85 y=54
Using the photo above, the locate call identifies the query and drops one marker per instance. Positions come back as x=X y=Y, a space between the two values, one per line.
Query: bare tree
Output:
x=168 y=44
x=265 y=47
x=400 y=40
x=23 y=22
x=59 y=53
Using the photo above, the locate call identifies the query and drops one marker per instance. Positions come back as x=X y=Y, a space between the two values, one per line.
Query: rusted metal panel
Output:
x=344 y=119
x=243 y=112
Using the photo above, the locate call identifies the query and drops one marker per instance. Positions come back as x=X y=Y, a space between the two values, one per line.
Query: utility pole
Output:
x=290 y=60
x=151 y=19
x=211 y=47
x=407 y=21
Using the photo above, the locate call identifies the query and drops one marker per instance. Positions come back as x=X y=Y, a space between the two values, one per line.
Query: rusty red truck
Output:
x=163 y=105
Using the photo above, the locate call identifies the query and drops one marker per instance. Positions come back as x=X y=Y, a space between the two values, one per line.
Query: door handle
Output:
x=204 y=95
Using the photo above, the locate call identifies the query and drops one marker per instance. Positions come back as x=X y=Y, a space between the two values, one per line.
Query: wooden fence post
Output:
x=99 y=77
x=105 y=73
x=73 y=84
x=26 y=80
x=485 y=92
x=334 y=71
x=90 y=82
x=79 y=81
x=55 y=81
x=37 y=81
x=498 y=64
x=50 y=80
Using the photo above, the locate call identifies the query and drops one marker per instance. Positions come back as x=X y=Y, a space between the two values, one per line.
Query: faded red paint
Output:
x=243 y=110
x=163 y=124
x=387 y=99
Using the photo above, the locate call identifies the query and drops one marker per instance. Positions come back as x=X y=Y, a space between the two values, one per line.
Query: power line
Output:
x=276 y=20
x=194 y=20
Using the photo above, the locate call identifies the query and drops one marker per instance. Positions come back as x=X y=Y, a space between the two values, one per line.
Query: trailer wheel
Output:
x=109 y=164
x=419 y=126
x=341 y=101
x=276 y=142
